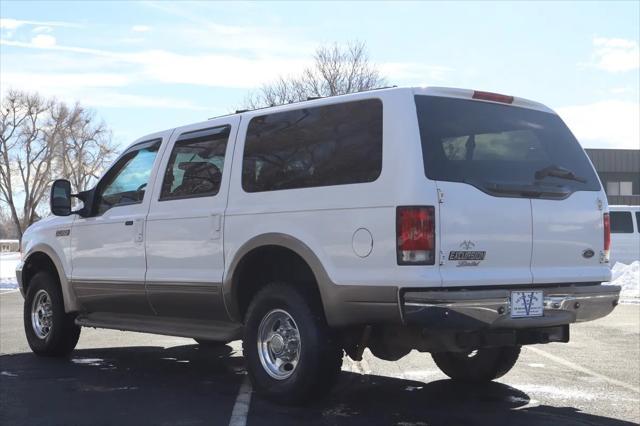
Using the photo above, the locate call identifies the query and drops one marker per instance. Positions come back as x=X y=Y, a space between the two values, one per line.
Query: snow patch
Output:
x=627 y=277
x=8 y=263
x=554 y=392
x=90 y=388
x=96 y=362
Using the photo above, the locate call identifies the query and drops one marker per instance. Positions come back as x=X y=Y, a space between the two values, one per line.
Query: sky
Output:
x=149 y=66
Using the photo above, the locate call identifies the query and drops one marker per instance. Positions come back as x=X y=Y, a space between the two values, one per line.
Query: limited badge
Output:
x=63 y=232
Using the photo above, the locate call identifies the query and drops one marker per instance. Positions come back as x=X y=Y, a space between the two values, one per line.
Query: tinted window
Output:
x=127 y=180
x=638 y=221
x=329 y=145
x=494 y=146
x=621 y=222
x=195 y=165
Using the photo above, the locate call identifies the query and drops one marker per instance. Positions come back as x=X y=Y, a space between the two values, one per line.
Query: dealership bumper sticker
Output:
x=527 y=304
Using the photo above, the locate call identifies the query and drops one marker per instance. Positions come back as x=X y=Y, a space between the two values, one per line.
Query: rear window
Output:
x=310 y=147
x=499 y=148
x=621 y=222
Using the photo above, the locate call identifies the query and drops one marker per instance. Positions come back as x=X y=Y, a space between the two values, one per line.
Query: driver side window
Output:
x=127 y=180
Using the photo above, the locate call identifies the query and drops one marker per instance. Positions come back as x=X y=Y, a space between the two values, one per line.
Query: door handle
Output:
x=128 y=223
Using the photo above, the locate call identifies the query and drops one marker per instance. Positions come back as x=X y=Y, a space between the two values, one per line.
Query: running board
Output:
x=198 y=329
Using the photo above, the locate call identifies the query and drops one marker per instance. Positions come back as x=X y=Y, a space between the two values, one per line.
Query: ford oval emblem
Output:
x=588 y=254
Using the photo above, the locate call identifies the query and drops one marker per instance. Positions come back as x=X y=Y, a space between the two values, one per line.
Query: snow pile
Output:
x=8 y=263
x=627 y=277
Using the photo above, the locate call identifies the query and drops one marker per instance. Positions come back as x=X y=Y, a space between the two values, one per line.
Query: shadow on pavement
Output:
x=193 y=385
x=183 y=385
x=368 y=400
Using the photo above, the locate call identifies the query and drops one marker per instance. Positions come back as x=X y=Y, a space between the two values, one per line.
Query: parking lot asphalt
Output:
x=127 y=378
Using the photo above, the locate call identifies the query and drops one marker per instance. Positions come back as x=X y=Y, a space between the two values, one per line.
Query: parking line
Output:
x=584 y=370
x=241 y=407
x=8 y=291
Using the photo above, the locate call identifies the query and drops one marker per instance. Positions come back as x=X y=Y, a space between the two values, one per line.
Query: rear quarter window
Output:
x=310 y=147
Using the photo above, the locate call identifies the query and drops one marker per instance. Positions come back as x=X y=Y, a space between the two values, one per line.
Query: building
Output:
x=619 y=171
x=9 y=246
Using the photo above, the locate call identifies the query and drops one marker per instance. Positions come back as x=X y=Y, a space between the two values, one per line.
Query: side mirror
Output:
x=60 y=199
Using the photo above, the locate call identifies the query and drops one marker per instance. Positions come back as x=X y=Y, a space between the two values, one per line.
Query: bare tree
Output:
x=26 y=154
x=41 y=139
x=85 y=147
x=336 y=70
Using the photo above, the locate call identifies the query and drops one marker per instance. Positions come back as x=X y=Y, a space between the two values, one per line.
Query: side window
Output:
x=309 y=147
x=195 y=165
x=125 y=183
x=621 y=222
x=638 y=221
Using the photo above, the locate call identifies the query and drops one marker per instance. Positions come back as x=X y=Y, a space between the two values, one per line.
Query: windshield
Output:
x=487 y=145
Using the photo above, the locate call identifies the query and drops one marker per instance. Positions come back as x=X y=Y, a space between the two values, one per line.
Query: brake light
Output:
x=415 y=235
x=493 y=97
x=607 y=235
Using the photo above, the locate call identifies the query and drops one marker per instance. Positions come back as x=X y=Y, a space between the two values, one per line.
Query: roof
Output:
x=430 y=91
x=617 y=208
x=615 y=160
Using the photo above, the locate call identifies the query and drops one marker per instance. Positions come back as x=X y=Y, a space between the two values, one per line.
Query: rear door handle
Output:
x=128 y=223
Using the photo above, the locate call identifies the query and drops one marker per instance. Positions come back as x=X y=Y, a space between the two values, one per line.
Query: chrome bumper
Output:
x=470 y=309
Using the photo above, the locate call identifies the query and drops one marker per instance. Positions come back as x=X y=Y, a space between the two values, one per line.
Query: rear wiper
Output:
x=559 y=172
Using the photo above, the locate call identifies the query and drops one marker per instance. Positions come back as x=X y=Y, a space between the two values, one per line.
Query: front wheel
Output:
x=290 y=351
x=49 y=330
x=481 y=365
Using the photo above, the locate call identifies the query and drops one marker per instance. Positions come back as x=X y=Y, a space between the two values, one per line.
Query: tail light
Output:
x=415 y=235
x=607 y=235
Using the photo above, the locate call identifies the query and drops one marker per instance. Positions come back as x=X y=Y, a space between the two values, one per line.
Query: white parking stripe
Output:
x=584 y=370
x=241 y=407
x=8 y=291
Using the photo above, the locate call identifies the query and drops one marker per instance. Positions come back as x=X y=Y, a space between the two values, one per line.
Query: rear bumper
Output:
x=470 y=309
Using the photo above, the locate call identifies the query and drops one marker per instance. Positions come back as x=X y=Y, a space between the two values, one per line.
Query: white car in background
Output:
x=625 y=234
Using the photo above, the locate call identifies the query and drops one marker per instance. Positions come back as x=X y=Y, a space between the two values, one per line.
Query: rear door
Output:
x=184 y=245
x=568 y=243
x=484 y=240
x=502 y=221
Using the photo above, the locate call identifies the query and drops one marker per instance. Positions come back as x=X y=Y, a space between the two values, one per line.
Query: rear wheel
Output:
x=291 y=353
x=481 y=365
x=49 y=330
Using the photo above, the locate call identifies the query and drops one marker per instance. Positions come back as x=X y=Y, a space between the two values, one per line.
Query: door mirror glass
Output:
x=60 y=199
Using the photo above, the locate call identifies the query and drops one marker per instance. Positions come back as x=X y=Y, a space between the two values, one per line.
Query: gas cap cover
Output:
x=362 y=242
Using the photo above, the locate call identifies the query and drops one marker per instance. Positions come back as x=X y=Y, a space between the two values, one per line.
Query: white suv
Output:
x=450 y=221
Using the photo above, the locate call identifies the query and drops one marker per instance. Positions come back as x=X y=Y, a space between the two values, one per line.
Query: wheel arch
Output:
x=273 y=244
x=44 y=257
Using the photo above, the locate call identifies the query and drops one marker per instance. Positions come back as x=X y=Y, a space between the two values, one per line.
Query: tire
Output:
x=54 y=333
x=285 y=310
x=478 y=366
